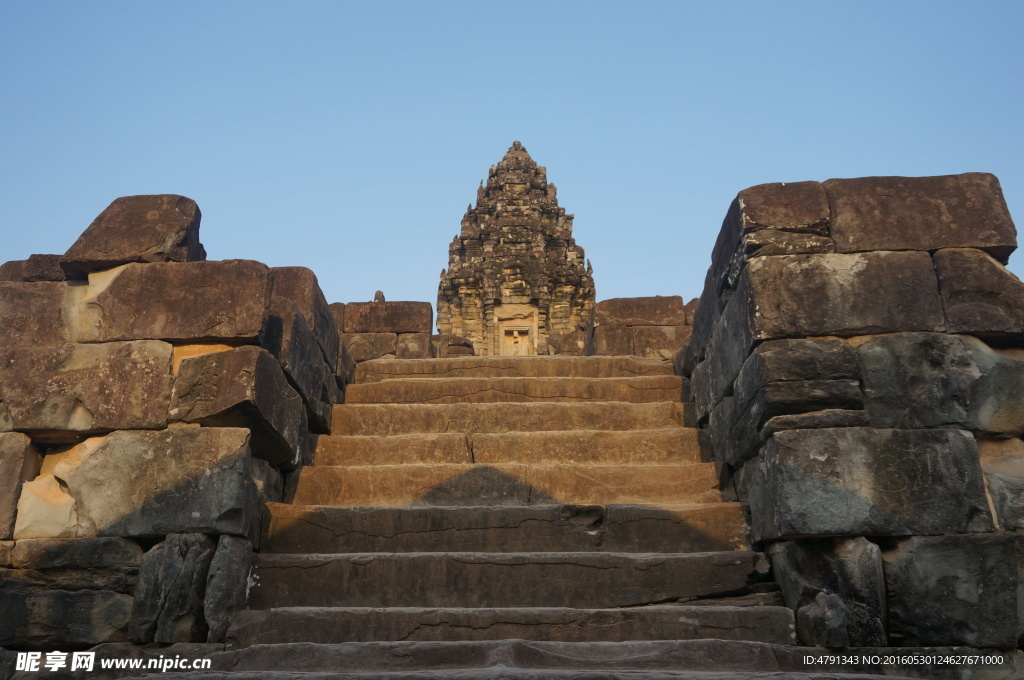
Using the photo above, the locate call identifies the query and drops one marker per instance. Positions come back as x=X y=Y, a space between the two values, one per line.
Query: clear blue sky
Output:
x=349 y=137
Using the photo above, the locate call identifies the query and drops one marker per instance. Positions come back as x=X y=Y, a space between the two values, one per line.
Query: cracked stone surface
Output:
x=484 y=390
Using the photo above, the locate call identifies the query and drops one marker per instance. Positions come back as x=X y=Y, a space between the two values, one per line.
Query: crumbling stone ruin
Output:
x=816 y=471
x=515 y=275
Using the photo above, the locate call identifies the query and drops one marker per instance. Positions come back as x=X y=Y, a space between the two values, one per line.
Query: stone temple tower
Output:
x=515 y=275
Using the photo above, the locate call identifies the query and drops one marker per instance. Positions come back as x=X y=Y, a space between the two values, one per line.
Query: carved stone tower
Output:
x=515 y=275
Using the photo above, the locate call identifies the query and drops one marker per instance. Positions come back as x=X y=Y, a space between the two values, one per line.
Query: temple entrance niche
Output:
x=515 y=274
x=517 y=330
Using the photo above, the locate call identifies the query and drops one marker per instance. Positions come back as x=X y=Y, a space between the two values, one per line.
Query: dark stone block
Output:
x=860 y=481
x=160 y=228
x=227 y=584
x=62 y=619
x=367 y=346
x=19 y=463
x=300 y=286
x=77 y=553
x=413 y=346
x=847 y=569
x=446 y=345
x=953 y=590
x=921 y=213
x=979 y=295
x=243 y=387
x=168 y=604
x=33 y=313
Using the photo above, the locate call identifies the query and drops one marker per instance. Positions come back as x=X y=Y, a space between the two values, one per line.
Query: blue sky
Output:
x=349 y=137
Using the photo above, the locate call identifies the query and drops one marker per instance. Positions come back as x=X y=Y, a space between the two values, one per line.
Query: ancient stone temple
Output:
x=515 y=275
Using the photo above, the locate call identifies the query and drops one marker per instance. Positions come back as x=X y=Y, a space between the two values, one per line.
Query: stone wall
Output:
x=150 y=403
x=650 y=327
x=857 y=369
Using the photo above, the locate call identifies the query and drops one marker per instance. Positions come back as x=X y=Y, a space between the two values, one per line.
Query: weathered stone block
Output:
x=223 y=301
x=33 y=314
x=168 y=605
x=953 y=590
x=6 y=550
x=183 y=479
x=367 y=346
x=612 y=341
x=346 y=365
x=227 y=584
x=921 y=213
x=413 y=346
x=388 y=317
x=979 y=295
x=776 y=209
x=812 y=359
x=161 y=228
x=35 y=268
x=59 y=619
x=75 y=553
x=243 y=387
x=641 y=311
x=290 y=339
x=19 y=463
x=299 y=285
x=842 y=294
x=659 y=342
x=825 y=418
x=861 y=481
x=268 y=481
x=452 y=345
x=850 y=569
x=573 y=343
x=1003 y=463
x=727 y=350
x=928 y=380
x=61 y=393
x=338 y=312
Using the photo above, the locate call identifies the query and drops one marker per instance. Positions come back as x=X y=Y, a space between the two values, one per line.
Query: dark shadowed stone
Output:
x=705 y=318
x=168 y=605
x=291 y=340
x=861 y=481
x=19 y=463
x=114 y=579
x=825 y=418
x=6 y=552
x=849 y=570
x=927 y=380
x=33 y=313
x=727 y=349
x=160 y=228
x=223 y=301
x=183 y=479
x=413 y=346
x=82 y=553
x=979 y=295
x=953 y=590
x=772 y=242
x=368 y=346
x=299 y=285
x=388 y=317
x=243 y=387
x=777 y=361
x=338 y=312
x=921 y=213
x=641 y=311
x=268 y=481
x=13 y=271
x=346 y=365
x=227 y=584
x=1003 y=463
x=60 y=394
x=844 y=295
x=61 y=619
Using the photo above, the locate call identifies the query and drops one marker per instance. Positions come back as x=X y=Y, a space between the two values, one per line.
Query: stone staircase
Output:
x=541 y=513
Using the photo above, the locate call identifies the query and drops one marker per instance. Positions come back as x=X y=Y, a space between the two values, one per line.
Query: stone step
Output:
x=491 y=390
x=474 y=579
x=533 y=660
x=326 y=625
x=511 y=367
x=507 y=484
x=674 y=444
x=525 y=528
x=391 y=419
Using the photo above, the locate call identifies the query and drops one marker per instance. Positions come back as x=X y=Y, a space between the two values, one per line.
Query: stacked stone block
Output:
x=150 y=403
x=650 y=327
x=856 y=365
x=386 y=330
